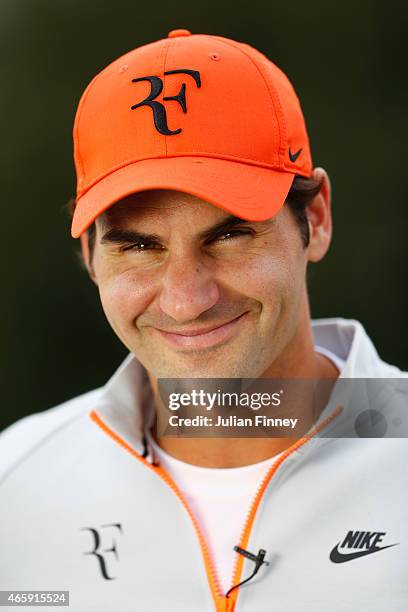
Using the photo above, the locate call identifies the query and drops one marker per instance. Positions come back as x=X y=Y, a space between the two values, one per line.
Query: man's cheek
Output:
x=123 y=300
x=270 y=280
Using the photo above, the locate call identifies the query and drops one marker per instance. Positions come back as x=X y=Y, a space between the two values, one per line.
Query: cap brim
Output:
x=251 y=192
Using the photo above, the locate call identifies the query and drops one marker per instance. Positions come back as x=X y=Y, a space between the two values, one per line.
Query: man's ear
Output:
x=319 y=217
x=86 y=256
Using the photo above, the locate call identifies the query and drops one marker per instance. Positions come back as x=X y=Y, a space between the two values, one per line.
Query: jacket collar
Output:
x=125 y=401
x=348 y=339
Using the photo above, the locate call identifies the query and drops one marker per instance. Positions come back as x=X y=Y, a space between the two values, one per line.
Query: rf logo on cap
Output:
x=159 y=111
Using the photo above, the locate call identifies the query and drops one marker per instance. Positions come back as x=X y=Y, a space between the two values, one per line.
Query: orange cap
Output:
x=196 y=113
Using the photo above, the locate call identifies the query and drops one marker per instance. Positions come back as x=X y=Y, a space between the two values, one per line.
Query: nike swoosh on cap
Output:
x=338 y=557
x=293 y=156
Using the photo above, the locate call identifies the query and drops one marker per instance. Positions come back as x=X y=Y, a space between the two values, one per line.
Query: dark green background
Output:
x=348 y=63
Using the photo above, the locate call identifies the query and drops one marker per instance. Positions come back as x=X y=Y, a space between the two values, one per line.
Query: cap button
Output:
x=179 y=32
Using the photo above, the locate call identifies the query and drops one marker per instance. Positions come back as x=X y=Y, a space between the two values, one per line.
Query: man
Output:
x=198 y=210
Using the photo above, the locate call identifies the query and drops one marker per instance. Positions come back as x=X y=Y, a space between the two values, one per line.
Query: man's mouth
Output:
x=203 y=337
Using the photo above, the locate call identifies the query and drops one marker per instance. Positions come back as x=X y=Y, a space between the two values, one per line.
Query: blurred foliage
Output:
x=347 y=62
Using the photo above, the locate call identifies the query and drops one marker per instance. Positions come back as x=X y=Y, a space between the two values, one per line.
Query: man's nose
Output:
x=188 y=289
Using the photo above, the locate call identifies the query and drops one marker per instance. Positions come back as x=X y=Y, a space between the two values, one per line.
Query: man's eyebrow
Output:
x=122 y=236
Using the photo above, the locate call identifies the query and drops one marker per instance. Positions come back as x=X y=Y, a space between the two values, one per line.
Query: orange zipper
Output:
x=222 y=603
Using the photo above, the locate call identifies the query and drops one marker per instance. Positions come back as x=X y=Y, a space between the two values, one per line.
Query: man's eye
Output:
x=141 y=246
x=231 y=235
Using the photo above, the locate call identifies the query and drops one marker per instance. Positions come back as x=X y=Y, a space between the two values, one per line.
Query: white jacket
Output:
x=81 y=508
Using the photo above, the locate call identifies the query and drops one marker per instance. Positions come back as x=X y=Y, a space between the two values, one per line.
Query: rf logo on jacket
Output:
x=100 y=553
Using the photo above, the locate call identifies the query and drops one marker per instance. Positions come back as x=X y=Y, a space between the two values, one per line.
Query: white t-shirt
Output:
x=220 y=498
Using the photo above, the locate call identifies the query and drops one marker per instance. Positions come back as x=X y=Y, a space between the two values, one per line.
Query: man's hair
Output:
x=301 y=193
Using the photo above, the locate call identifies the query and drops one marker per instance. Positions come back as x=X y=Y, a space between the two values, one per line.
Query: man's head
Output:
x=197 y=206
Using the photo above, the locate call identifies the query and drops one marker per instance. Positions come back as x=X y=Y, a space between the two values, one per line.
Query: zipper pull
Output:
x=149 y=453
x=258 y=559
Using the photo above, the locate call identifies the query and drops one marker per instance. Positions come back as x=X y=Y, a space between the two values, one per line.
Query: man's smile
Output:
x=204 y=337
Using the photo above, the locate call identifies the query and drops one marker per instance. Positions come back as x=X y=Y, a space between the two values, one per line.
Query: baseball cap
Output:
x=197 y=113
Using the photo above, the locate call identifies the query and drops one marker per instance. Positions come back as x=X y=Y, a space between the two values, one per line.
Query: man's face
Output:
x=194 y=292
